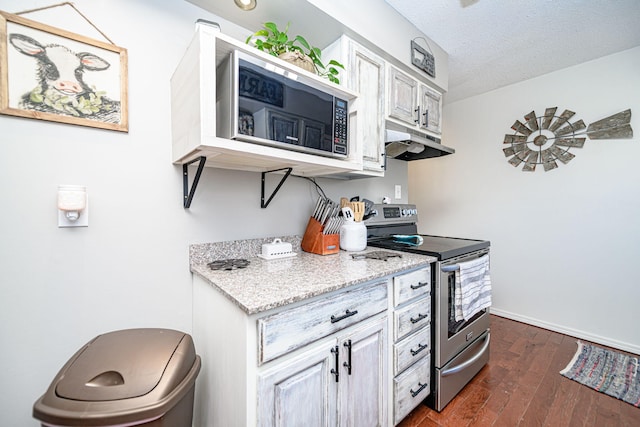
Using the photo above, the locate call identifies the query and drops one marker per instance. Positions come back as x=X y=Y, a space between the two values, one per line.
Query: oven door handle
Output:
x=464 y=365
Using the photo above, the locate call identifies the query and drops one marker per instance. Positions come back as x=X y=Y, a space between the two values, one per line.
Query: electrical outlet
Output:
x=398 y=191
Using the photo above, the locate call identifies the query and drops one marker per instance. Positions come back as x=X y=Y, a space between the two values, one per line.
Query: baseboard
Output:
x=635 y=349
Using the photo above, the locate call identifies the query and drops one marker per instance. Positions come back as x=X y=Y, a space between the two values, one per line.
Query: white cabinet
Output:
x=358 y=356
x=321 y=362
x=413 y=103
x=340 y=383
x=367 y=77
x=299 y=392
x=411 y=341
x=287 y=330
x=362 y=394
x=364 y=74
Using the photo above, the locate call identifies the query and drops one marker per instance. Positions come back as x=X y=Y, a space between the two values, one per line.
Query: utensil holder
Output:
x=315 y=242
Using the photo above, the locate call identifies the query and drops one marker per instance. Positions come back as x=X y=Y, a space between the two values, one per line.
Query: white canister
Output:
x=353 y=236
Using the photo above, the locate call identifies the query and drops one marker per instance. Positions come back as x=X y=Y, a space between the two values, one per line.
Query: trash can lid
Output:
x=120 y=365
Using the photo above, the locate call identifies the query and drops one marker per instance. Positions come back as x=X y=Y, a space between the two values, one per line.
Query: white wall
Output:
x=129 y=268
x=565 y=243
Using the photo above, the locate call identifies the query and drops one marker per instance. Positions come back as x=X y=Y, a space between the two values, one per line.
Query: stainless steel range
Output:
x=461 y=347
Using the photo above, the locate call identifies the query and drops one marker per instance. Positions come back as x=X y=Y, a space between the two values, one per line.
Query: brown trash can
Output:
x=133 y=377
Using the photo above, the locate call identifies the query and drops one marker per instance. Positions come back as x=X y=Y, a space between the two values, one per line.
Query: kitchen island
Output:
x=305 y=338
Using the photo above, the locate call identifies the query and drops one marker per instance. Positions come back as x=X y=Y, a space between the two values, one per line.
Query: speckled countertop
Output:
x=267 y=284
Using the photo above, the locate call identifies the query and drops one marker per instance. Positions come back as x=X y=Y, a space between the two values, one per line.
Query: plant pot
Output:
x=299 y=59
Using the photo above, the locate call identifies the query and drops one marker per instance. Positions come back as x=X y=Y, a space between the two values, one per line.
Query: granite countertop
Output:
x=267 y=284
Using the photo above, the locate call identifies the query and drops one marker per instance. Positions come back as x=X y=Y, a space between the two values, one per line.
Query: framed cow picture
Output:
x=47 y=73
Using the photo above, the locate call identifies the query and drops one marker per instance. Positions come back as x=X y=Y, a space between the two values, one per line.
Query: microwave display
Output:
x=274 y=106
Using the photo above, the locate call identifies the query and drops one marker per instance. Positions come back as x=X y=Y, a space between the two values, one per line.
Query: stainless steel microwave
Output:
x=262 y=102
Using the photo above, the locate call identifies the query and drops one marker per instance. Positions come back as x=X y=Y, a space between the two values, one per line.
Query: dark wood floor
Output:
x=521 y=386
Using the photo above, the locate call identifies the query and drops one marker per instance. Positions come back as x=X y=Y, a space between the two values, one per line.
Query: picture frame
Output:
x=51 y=74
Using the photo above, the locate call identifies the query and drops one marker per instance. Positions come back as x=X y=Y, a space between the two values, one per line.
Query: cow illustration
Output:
x=61 y=88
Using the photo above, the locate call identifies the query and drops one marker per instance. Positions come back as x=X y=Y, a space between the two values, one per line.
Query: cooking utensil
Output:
x=368 y=204
x=358 y=210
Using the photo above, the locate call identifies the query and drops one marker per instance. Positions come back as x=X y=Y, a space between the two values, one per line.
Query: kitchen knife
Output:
x=317 y=208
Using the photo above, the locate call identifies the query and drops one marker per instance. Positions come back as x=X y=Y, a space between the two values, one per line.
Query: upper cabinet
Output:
x=365 y=75
x=197 y=86
x=413 y=103
x=378 y=89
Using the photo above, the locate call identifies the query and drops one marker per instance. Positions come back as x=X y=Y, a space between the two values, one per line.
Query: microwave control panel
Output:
x=340 y=126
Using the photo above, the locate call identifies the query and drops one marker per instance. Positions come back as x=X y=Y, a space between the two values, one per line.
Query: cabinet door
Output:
x=430 y=109
x=368 y=79
x=362 y=393
x=299 y=392
x=403 y=96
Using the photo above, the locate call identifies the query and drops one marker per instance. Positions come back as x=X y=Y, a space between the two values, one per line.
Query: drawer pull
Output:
x=417 y=392
x=419 y=318
x=346 y=314
x=336 y=352
x=420 y=348
x=419 y=285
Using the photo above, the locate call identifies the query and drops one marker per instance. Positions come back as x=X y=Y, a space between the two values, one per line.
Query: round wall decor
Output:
x=547 y=138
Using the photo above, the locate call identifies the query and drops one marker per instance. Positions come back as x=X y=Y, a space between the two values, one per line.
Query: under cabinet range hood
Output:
x=407 y=145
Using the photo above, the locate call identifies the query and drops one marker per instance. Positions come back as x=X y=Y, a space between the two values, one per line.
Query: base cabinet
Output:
x=341 y=382
x=357 y=357
x=411 y=341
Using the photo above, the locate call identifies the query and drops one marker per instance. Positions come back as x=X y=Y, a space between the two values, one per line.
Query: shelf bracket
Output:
x=188 y=193
x=264 y=204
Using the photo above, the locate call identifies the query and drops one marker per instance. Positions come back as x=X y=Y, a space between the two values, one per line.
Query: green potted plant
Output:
x=296 y=51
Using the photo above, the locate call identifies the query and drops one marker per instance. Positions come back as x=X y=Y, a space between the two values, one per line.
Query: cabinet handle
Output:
x=420 y=348
x=417 y=392
x=348 y=364
x=419 y=318
x=346 y=314
x=426 y=118
x=336 y=352
x=419 y=285
x=417 y=119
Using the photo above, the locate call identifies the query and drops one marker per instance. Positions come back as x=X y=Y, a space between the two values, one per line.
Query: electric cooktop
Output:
x=438 y=246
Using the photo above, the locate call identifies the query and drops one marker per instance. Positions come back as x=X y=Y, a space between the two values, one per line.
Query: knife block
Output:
x=315 y=242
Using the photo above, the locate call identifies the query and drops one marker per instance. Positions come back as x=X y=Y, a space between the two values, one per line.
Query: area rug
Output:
x=606 y=371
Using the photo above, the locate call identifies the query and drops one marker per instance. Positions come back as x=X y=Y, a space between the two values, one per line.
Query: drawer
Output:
x=411 y=318
x=290 y=329
x=410 y=388
x=411 y=285
x=409 y=350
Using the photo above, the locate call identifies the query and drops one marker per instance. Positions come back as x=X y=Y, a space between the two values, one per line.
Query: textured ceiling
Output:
x=494 y=43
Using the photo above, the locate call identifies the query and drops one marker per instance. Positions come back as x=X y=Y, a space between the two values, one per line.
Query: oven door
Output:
x=453 y=337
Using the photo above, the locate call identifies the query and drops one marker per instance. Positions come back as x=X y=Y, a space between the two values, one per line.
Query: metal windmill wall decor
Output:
x=547 y=138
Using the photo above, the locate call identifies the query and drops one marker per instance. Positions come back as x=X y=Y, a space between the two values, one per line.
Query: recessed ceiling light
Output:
x=246 y=4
